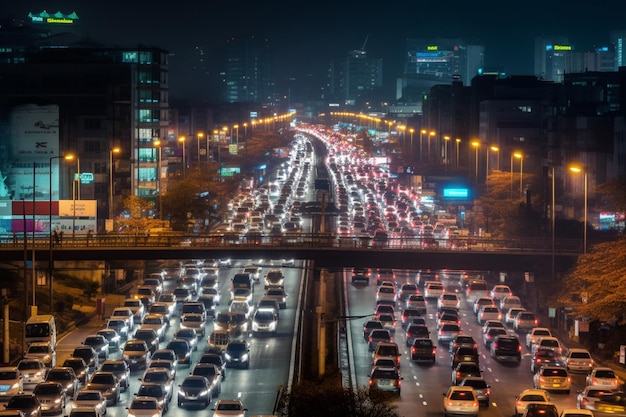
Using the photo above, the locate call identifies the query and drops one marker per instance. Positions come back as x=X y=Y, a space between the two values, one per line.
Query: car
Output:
x=241 y=307
x=88 y=354
x=156 y=322
x=416 y=301
x=168 y=365
x=161 y=376
x=155 y=284
x=229 y=408
x=216 y=359
x=433 y=289
x=464 y=354
x=189 y=283
x=187 y=333
x=575 y=412
x=603 y=377
x=578 y=360
x=529 y=396
x=64 y=376
x=509 y=302
x=589 y=395
x=416 y=331
x=210 y=297
x=278 y=294
x=607 y=405
x=549 y=342
x=33 y=371
x=11 y=382
x=108 y=384
x=85 y=412
x=217 y=340
x=148 y=335
x=145 y=407
x=264 y=321
x=112 y=338
x=423 y=349
x=52 y=397
x=488 y=313
x=136 y=353
x=384 y=308
x=460 y=400
x=269 y=303
x=182 y=348
x=462 y=340
x=275 y=278
x=120 y=369
x=193 y=321
x=535 y=333
x=407 y=290
x=242 y=294
x=511 y=313
x=388 y=350
x=122 y=313
x=541 y=410
x=492 y=323
x=500 y=291
x=370 y=325
x=544 y=356
x=156 y=390
x=481 y=388
x=448 y=300
x=182 y=295
x=237 y=354
x=254 y=271
x=137 y=307
x=90 y=398
x=146 y=295
x=552 y=378
x=385 y=379
x=464 y=369
x=120 y=325
x=99 y=343
x=491 y=334
x=376 y=336
x=44 y=351
x=448 y=317
x=447 y=332
x=506 y=347
x=388 y=321
x=27 y=403
x=476 y=288
x=480 y=302
x=213 y=373
x=169 y=298
x=385 y=274
x=194 y=389
x=194 y=307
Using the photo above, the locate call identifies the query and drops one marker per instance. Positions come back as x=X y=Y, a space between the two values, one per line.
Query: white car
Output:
x=602 y=377
x=530 y=396
x=386 y=294
x=460 y=400
x=535 y=333
x=11 y=381
x=433 y=289
x=500 y=292
x=229 y=408
x=448 y=300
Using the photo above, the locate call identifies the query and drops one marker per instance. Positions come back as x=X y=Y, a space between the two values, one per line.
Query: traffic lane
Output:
x=427 y=383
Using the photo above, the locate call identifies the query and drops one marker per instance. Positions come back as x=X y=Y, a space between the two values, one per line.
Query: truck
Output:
x=40 y=328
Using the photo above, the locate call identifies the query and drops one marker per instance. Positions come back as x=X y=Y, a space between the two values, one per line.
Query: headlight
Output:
x=227 y=356
x=203 y=392
x=244 y=357
x=15 y=385
x=57 y=401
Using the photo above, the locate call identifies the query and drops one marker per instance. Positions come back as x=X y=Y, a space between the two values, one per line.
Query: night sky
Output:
x=306 y=35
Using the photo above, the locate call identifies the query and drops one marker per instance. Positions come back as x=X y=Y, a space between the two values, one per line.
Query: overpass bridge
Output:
x=325 y=251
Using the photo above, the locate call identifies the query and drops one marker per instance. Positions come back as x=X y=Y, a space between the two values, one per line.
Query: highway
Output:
x=270 y=362
x=424 y=384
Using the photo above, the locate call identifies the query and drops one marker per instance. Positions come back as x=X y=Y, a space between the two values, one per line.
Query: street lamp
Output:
x=458 y=143
x=199 y=135
x=157 y=143
x=411 y=131
x=245 y=130
x=578 y=170
x=495 y=149
x=111 y=152
x=181 y=139
x=519 y=156
x=237 y=135
x=430 y=135
x=446 y=139
x=422 y=133
x=476 y=145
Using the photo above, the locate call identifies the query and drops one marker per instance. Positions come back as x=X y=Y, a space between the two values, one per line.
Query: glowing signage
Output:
x=455 y=193
x=562 y=47
x=57 y=18
x=432 y=48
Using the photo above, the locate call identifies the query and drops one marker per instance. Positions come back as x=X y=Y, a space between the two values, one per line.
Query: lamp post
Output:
x=578 y=170
x=199 y=136
x=111 y=152
x=446 y=139
x=411 y=131
x=552 y=220
x=476 y=145
x=430 y=135
x=157 y=144
x=519 y=156
x=458 y=144
x=181 y=139
x=490 y=148
x=75 y=192
x=422 y=133
x=236 y=127
x=245 y=130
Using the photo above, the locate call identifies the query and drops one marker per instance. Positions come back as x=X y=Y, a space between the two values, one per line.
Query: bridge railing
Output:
x=301 y=240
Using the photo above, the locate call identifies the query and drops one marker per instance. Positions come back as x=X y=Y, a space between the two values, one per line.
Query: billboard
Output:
x=30 y=144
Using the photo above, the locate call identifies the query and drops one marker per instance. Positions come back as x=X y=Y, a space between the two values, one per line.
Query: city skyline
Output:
x=305 y=39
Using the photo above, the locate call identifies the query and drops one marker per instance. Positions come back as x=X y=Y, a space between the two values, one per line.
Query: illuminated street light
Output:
x=476 y=145
x=422 y=133
x=495 y=149
x=111 y=152
x=446 y=139
x=157 y=144
x=181 y=139
x=199 y=136
x=430 y=135
x=578 y=170
x=411 y=131
x=458 y=144
x=519 y=156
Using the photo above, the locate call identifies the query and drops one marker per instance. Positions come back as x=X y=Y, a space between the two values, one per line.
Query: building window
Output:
x=92 y=146
x=145 y=57
x=129 y=56
x=147 y=174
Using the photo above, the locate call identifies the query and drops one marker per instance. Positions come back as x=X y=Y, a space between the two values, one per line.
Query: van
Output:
x=41 y=328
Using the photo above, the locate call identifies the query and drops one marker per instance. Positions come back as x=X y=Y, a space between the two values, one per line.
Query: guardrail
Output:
x=303 y=240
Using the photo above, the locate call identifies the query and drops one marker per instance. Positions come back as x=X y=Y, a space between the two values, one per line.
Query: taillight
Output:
x=458 y=375
x=584 y=401
x=487 y=391
x=594 y=381
x=413 y=349
x=542 y=380
x=370 y=339
x=434 y=351
x=519 y=348
x=371 y=382
x=495 y=345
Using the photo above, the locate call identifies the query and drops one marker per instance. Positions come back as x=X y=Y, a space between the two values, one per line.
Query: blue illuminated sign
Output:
x=455 y=193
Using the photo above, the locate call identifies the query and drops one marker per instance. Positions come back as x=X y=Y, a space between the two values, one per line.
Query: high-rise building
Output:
x=618 y=42
x=247 y=73
x=553 y=57
x=355 y=78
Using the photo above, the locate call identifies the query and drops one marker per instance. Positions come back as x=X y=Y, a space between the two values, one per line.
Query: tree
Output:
x=138 y=220
x=596 y=286
x=612 y=195
x=187 y=196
